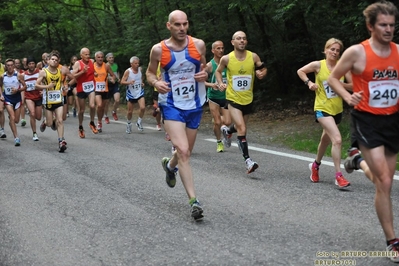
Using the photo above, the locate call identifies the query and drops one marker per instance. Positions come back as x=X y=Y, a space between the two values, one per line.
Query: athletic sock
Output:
x=243 y=145
x=232 y=129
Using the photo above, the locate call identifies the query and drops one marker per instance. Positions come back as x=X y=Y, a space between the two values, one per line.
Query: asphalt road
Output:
x=105 y=202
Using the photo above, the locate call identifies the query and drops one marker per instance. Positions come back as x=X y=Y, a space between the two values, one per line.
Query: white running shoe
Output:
x=226 y=136
x=2 y=134
x=139 y=126
x=35 y=137
x=251 y=165
x=129 y=128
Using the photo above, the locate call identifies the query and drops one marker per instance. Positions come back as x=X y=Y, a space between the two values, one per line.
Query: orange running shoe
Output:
x=341 y=182
x=81 y=133
x=93 y=127
x=114 y=116
x=314 y=173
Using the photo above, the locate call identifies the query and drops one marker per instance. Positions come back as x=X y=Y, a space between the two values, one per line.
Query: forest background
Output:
x=286 y=34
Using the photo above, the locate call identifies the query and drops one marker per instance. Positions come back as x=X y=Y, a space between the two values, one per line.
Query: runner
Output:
x=242 y=65
x=71 y=98
x=134 y=81
x=374 y=65
x=113 y=89
x=217 y=98
x=50 y=81
x=33 y=97
x=156 y=111
x=328 y=108
x=13 y=83
x=2 y=133
x=102 y=71
x=181 y=96
x=83 y=71
x=43 y=63
x=19 y=69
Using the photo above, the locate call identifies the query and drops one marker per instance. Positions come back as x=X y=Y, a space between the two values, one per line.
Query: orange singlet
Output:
x=379 y=82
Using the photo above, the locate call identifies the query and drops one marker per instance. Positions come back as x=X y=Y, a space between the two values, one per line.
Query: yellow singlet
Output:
x=326 y=99
x=240 y=79
x=52 y=96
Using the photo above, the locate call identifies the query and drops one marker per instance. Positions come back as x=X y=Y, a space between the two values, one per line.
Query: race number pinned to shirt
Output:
x=242 y=82
x=8 y=91
x=30 y=85
x=183 y=90
x=100 y=86
x=383 y=93
x=88 y=86
x=54 y=97
x=329 y=91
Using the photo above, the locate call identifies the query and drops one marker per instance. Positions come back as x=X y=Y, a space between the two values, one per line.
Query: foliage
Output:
x=286 y=34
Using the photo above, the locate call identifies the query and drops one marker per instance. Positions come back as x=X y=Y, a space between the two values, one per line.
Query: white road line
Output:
x=289 y=155
x=283 y=154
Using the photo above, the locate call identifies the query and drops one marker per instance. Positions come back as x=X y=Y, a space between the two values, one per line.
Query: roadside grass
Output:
x=309 y=140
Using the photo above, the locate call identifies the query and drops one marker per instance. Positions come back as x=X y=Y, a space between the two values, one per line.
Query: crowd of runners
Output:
x=183 y=81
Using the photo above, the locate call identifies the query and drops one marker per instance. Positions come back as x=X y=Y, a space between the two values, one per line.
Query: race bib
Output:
x=8 y=91
x=329 y=92
x=383 y=93
x=88 y=86
x=30 y=86
x=135 y=87
x=242 y=82
x=54 y=97
x=183 y=90
x=100 y=86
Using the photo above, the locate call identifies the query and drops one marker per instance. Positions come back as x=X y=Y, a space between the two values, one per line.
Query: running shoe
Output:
x=17 y=142
x=93 y=127
x=170 y=175
x=43 y=126
x=2 y=134
x=341 y=182
x=226 y=136
x=220 y=147
x=23 y=122
x=67 y=114
x=196 y=210
x=74 y=112
x=114 y=116
x=62 y=146
x=393 y=248
x=251 y=165
x=158 y=127
x=128 y=128
x=314 y=173
x=54 y=125
x=100 y=127
x=350 y=161
x=81 y=133
x=35 y=137
x=139 y=126
x=106 y=120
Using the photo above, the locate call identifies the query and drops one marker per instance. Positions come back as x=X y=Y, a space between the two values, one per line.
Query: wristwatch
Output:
x=306 y=82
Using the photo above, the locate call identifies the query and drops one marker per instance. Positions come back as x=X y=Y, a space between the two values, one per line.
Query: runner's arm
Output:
x=344 y=65
x=260 y=68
